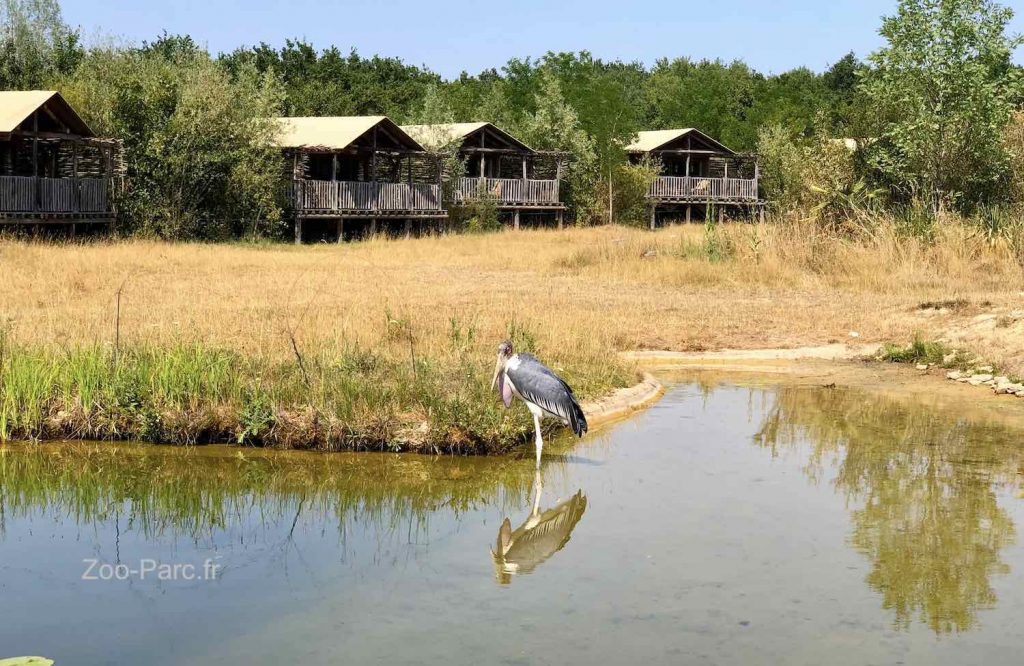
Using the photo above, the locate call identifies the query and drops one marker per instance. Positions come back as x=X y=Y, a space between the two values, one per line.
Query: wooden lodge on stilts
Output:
x=54 y=171
x=698 y=174
x=352 y=176
x=496 y=165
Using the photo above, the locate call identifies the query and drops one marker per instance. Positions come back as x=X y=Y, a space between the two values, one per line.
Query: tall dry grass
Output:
x=395 y=333
x=579 y=291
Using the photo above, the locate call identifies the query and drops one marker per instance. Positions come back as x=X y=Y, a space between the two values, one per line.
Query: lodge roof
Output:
x=653 y=140
x=337 y=132
x=17 y=106
x=438 y=135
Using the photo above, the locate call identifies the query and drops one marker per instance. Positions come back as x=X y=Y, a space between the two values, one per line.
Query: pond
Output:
x=726 y=524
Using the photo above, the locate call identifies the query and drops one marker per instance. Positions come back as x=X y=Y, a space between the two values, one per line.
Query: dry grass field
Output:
x=575 y=296
x=602 y=289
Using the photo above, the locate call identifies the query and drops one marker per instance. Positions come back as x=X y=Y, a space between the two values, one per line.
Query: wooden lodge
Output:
x=696 y=172
x=357 y=170
x=53 y=169
x=519 y=179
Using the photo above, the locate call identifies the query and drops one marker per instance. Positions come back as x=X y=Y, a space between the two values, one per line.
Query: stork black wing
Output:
x=539 y=385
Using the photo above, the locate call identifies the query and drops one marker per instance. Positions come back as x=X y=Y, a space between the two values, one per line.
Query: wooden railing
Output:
x=344 y=195
x=30 y=196
x=695 y=188
x=508 y=190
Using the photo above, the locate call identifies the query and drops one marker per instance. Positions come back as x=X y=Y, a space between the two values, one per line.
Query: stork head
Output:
x=504 y=354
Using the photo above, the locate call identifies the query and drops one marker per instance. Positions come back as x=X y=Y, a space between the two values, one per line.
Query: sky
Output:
x=449 y=37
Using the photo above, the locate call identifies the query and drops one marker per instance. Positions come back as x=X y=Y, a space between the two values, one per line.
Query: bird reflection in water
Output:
x=544 y=533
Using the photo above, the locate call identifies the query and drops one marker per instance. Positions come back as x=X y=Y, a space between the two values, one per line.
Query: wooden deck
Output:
x=24 y=198
x=341 y=198
x=696 y=189
x=510 y=192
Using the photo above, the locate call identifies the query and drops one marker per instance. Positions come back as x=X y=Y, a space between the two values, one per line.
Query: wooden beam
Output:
x=298 y=231
x=35 y=144
x=515 y=219
x=684 y=151
x=493 y=151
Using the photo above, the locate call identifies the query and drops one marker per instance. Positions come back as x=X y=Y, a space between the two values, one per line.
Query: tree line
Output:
x=931 y=113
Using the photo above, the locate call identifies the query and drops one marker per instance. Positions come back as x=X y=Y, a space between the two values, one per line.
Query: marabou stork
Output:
x=544 y=533
x=544 y=392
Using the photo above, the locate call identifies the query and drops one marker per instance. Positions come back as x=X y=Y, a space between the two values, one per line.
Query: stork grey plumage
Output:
x=545 y=393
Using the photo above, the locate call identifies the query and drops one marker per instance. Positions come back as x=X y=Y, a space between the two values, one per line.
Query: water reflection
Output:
x=195 y=493
x=926 y=484
x=542 y=534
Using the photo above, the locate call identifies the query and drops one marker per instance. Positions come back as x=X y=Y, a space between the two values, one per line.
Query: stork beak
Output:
x=497 y=371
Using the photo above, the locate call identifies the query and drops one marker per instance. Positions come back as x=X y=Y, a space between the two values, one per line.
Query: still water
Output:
x=725 y=525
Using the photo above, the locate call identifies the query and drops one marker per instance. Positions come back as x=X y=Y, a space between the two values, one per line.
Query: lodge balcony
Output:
x=27 y=198
x=509 y=192
x=702 y=189
x=343 y=198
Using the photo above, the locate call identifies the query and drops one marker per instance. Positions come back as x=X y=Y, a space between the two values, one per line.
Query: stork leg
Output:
x=538 y=488
x=540 y=440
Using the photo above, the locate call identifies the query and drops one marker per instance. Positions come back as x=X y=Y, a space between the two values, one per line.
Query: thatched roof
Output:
x=339 y=132
x=653 y=140
x=441 y=134
x=17 y=106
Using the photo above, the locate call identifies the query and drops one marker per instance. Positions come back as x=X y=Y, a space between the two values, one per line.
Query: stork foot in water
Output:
x=545 y=393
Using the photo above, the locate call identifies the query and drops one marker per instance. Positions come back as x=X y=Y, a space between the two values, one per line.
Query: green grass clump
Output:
x=389 y=398
x=918 y=351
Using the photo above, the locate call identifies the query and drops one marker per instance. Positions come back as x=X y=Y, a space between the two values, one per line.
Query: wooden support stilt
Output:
x=373 y=227
x=721 y=214
x=654 y=217
x=515 y=219
x=408 y=228
x=561 y=219
x=689 y=212
x=72 y=230
x=35 y=164
x=760 y=214
x=298 y=231
x=341 y=230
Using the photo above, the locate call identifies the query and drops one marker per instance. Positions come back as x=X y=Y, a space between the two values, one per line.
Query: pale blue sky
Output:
x=448 y=37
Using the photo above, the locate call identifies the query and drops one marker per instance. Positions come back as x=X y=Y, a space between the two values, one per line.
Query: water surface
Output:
x=725 y=525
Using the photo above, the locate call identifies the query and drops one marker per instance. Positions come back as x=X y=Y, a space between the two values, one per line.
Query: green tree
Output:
x=555 y=126
x=943 y=89
x=36 y=46
x=198 y=145
x=709 y=95
x=330 y=83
